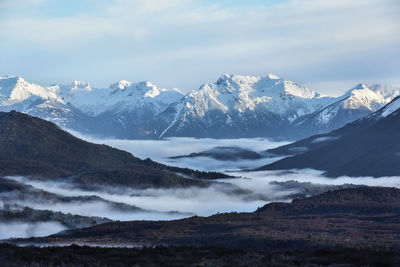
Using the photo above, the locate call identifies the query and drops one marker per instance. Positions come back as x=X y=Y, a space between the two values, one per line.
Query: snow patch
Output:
x=390 y=108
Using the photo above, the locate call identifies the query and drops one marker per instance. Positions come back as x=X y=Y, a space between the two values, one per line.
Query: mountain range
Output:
x=234 y=106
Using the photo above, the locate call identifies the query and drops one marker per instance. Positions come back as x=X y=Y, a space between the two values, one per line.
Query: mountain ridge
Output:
x=234 y=106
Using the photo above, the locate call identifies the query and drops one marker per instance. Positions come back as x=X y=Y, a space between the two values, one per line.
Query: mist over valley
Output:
x=246 y=192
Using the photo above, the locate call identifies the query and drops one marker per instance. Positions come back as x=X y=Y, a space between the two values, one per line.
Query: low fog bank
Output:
x=66 y=197
x=161 y=150
x=316 y=177
x=23 y=229
x=223 y=196
x=244 y=194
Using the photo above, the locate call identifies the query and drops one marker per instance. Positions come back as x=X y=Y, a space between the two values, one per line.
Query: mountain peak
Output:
x=80 y=85
x=14 y=89
x=359 y=89
x=224 y=79
x=228 y=79
x=360 y=86
x=272 y=76
x=11 y=82
x=363 y=91
x=122 y=84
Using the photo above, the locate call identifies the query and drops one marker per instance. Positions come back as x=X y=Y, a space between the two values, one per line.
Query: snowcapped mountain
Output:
x=120 y=96
x=240 y=106
x=125 y=110
x=15 y=90
x=357 y=103
x=45 y=102
x=233 y=106
x=391 y=109
x=119 y=110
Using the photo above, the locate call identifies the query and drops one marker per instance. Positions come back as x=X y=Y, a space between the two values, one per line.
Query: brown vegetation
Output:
x=366 y=217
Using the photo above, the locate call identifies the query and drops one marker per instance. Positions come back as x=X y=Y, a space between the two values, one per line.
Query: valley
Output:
x=199 y=133
x=60 y=187
x=75 y=201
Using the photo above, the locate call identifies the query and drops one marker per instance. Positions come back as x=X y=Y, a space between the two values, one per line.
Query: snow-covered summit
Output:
x=358 y=102
x=361 y=96
x=370 y=97
x=272 y=76
x=15 y=90
x=270 y=85
x=144 y=90
x=81 y=85
x=72 y=90
x=247 y=93
x=124 y=96
x=122 y=84
x=237 y=100
x=139 y=89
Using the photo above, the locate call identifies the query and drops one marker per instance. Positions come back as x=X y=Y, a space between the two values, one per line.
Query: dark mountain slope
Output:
x=358 y=217
x=35 y=147
x=367 y=147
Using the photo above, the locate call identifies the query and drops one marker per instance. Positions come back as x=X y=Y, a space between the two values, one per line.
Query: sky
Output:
x=329 y=46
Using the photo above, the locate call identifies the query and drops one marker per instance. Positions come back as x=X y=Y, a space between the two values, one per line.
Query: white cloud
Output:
x=165 y=40
x=161 y=150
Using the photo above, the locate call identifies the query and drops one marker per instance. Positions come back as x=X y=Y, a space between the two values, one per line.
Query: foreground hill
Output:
x=38 y=148
x=351 y=218
x=367 y=147
x=190 y=256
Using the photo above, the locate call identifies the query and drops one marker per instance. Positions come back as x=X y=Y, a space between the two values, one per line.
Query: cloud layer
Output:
x=185 y=43
x=161 y=150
